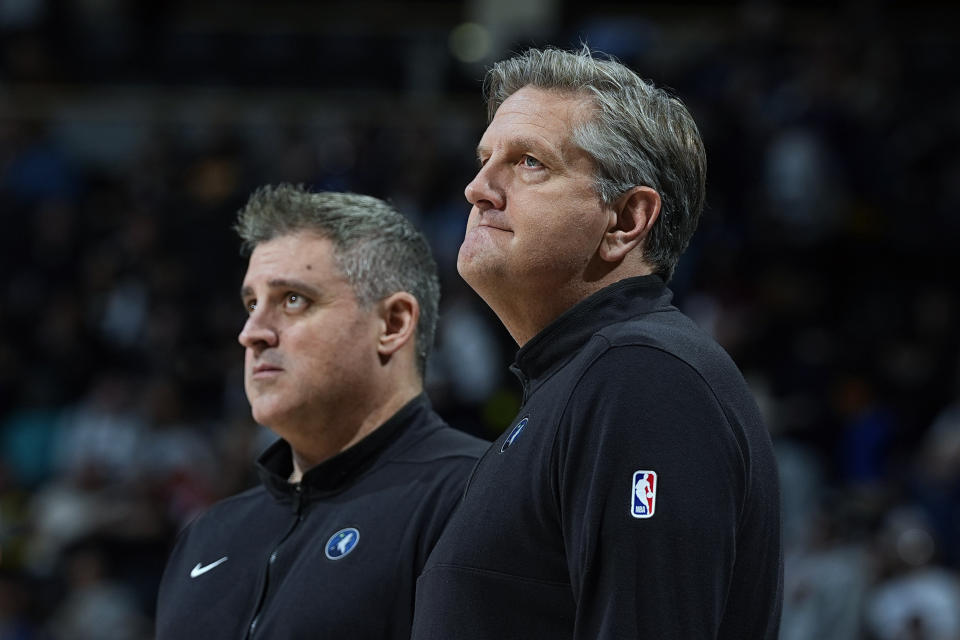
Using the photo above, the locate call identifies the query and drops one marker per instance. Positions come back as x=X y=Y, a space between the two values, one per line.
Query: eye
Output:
x=295 y=302
x=530 y=162
x=250 y=305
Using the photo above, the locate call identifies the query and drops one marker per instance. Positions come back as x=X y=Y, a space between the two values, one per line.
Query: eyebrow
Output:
x=284 y=283
x=524 y=142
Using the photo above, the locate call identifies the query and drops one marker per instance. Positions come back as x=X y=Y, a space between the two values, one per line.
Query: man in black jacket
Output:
x=635 y=495
x=341 y=294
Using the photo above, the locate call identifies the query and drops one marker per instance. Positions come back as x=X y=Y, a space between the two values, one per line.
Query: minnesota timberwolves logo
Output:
x=342 y=542
x=643 y=498
x=513 y=434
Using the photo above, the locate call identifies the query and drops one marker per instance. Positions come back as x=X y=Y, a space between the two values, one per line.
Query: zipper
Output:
x=526 y=388
x=272 y=558
x=524 y=381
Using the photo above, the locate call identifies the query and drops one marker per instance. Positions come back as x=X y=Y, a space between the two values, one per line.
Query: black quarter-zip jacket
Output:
x=634 y=496
x=334 y=556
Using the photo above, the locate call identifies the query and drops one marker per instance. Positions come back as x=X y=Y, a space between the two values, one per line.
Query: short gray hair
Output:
x=640 y=135
x=377 y=249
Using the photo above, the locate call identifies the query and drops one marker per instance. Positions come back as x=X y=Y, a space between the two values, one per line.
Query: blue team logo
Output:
x=513 y=434
x=342 y=542
x=643 y=498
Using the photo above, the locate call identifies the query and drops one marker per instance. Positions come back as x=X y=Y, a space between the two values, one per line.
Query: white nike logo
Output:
x=199 y=570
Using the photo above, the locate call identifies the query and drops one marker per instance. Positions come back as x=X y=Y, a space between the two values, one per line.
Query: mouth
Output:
x=493 y=219
x=494 y=225
x=265 y=370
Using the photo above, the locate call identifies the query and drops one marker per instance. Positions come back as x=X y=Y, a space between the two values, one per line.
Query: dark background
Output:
x=131 y=132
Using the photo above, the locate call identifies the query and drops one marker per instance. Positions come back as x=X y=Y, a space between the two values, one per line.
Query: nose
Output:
x=484 y=191
x=257 y=333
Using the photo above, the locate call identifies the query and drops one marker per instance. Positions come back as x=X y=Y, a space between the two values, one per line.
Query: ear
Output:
x=631 y=219
x=399 y=313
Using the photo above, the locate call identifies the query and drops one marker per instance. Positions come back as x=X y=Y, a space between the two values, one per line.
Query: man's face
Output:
x=537 y=219
x=309 y=344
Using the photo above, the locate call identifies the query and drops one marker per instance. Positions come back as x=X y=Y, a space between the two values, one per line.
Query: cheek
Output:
x=318 y=355
x=564 y=226
x=341 y=346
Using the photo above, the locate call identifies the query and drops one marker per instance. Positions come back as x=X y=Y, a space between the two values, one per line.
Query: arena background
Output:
x=130 y=133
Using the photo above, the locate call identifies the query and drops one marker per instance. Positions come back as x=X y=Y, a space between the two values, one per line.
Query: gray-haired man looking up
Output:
x=635 y=494
x=341 y=298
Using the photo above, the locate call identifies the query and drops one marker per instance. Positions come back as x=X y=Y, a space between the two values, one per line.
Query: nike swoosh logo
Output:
x=199 y=570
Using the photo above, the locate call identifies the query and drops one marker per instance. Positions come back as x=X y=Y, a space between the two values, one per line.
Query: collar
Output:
x=561 y=339
x=275 y=465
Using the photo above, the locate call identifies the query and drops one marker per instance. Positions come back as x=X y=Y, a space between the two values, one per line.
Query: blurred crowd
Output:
x=824 y=264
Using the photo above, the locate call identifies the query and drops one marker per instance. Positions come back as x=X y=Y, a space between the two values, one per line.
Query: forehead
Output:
x=549 y=114
x=302 y=254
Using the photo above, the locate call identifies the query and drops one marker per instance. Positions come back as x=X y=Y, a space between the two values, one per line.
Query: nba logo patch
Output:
x=643 y=499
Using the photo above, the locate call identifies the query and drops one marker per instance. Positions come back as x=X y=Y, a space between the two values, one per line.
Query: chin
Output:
x=472 y=276
x=265 y=412
x=463 y=266
x=476 y=268
x=260 y=417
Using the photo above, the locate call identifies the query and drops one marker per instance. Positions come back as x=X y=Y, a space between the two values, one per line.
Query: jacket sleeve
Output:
x=656 y=562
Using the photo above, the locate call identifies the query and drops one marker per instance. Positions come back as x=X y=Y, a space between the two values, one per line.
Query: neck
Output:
x=338 y=431
x=525 y=316
x=525 y=312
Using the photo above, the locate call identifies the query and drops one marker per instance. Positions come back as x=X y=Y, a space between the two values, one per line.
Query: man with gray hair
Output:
x=341 y=296
x=635 y=494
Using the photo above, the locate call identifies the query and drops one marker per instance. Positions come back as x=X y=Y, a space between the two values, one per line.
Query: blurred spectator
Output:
x=827 y=575
x=101 y=434
x=28 y=434
x=173 y=457
x=800 y=185
x=915 y=599
x=37 y=169
x=96 y=607
x=868 y=433
x=921 y=605
x=936 y=480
